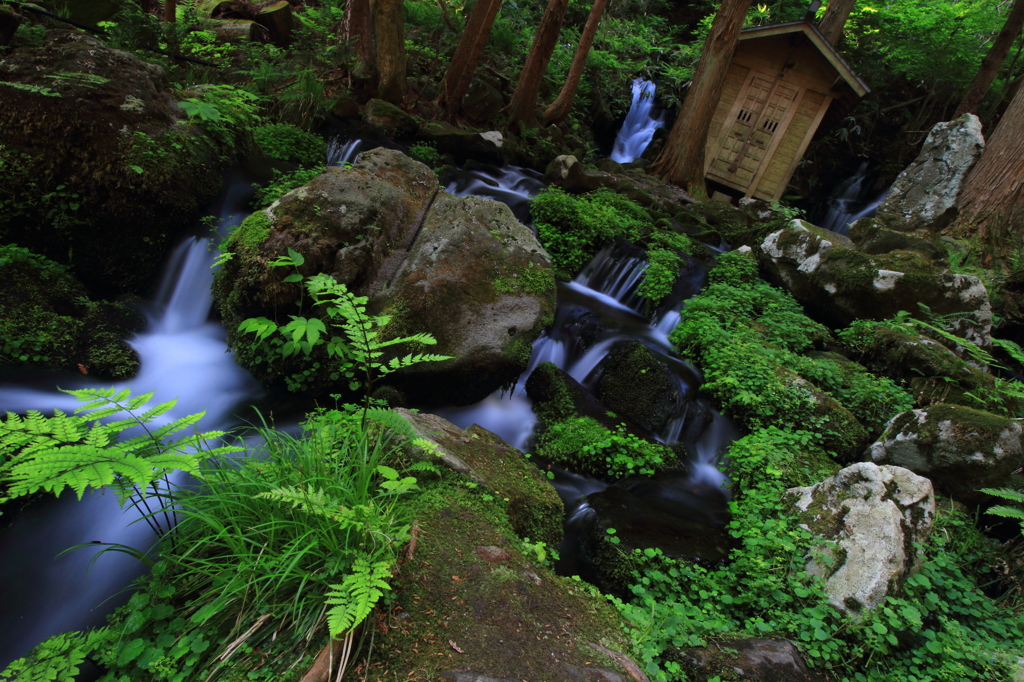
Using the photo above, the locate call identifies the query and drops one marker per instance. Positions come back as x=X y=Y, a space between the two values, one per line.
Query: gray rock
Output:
x=480 y=283
x=824 y=271
x=925 y=194
x=874 y=515
x=559 y=167
x=748 y=659
x=958 y=448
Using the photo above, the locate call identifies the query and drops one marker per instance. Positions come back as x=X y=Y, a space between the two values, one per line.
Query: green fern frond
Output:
x=392 y=420
x=353 y=600
x=1011 y=348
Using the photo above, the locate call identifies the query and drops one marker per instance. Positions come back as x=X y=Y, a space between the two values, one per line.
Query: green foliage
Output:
x=290 y=143
x=284 y=183
x=573 y=229
x=1010 y=495
x=426 y=152
x=273 y=553
x=941 y=627
x=584 y=445
x=226 y=112
x=82 y=451
x=361 y=347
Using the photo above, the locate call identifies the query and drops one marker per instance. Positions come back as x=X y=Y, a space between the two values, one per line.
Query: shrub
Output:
x=291 y=143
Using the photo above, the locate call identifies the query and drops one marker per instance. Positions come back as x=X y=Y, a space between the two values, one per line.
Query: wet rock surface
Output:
x=874 y=515
x=958 y=448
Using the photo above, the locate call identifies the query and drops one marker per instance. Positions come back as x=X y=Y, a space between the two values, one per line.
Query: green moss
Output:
x=250 y=235
x=531 y=279
x=519 y=352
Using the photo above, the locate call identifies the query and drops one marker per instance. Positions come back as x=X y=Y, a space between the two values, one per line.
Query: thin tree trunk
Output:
x=170 y=11
x=467 y=54
x=562 y=105
x=992 y=202
x=357 y=30
x=993 y=60
x=834 y=19
x=389 y=32
x=682 y=160
x=524 y=99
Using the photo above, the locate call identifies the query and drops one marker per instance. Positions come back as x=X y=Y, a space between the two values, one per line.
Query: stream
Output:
x=184 y=356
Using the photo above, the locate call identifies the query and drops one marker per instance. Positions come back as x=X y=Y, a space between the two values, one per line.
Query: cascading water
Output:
x=848 y=204
x=184 y=356
x=638 y=128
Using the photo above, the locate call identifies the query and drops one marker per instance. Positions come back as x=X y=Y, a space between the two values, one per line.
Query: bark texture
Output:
x=682 y=160
x=834 y=19
x=389 y=32
x=992 y=61
x=562 y=105
x=992 y=203
x=467 y=54
x=524 y=99
x=357 y=29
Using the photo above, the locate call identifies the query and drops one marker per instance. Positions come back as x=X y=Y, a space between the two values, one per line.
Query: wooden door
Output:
x=758 y=120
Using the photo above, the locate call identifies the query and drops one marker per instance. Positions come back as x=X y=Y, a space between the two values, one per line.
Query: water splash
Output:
x=638 y=128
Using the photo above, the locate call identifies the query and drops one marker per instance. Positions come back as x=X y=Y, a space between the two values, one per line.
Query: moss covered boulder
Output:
x=46 y=319
x=534 y=509
x=826 y=273
x=94 y=152
x=959 y=449
x=870 y=518
x=638 y=385
x=461 y=269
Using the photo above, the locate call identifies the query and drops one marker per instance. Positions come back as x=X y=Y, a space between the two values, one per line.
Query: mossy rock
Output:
x=960 y=449
x=463 y=270
x=46 y=319
x=839 y=284
x=390 y=118
x=472 y=598
x=639 y=386
x=105 y=161
x=533 y=507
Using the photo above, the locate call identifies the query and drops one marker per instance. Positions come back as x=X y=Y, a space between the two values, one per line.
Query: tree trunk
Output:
x=682 y=160
x=170 y=11
x=993 y=60
x=524 y=99
x=992 y=201
x=357 y=30
x=562 y=105
x=834 y=19
x=389 y=32
x=467 y=54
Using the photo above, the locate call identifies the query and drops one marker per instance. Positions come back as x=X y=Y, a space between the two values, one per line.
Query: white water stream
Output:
x=847 y=204
x=184 y=356
x=638 y=129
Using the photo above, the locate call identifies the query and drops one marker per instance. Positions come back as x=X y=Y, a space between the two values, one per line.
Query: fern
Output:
x=1011 y=348
x=353 y=600
x=79 y=451
x=1010 y=495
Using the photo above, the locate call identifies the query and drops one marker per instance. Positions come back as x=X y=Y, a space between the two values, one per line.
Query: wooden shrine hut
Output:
x=780 y=84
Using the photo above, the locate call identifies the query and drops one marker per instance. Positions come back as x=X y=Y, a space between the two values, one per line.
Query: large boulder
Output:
x=94 y=152
x=925 y=194
x=958 y=448
x=769 y=660
x=825 y=272
x=636 y=384
x=874 y=515
x=461 y=269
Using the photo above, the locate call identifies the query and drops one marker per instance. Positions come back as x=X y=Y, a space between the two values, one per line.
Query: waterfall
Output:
x=184 y=356
x=847 y=203
x=639 y=126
